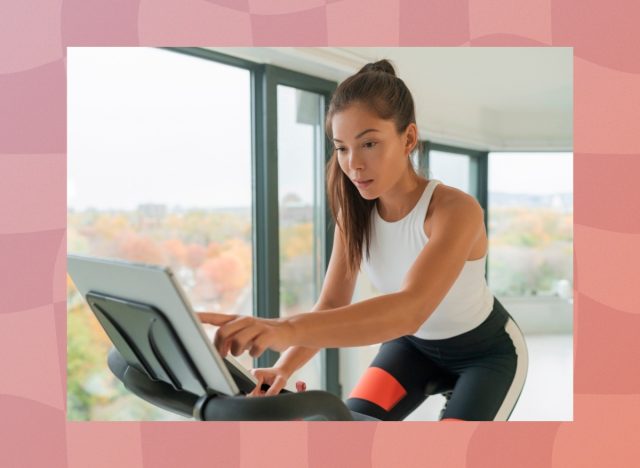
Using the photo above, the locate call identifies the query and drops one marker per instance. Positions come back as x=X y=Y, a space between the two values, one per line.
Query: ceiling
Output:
x=488 y=98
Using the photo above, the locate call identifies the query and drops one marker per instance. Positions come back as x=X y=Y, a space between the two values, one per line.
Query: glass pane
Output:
x=451 y=168
x=299 y=148
x=531 y=224
x=159 y=171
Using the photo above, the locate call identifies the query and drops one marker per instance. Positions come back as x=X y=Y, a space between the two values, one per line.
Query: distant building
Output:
x=293 y=210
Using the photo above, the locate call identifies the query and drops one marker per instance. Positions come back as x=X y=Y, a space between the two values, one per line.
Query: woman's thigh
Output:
x=479 y=392
x=488 y=388
x=393 y=386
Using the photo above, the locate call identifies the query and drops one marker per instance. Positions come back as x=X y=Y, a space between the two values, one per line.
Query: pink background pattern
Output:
x=34 y=35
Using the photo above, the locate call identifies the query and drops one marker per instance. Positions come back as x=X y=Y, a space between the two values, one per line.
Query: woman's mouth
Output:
x=362 y=183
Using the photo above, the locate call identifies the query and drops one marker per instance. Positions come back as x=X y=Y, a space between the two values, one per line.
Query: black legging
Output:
x=489 y=362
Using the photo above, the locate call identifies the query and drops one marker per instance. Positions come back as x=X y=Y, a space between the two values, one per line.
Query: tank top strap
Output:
x=423 y=203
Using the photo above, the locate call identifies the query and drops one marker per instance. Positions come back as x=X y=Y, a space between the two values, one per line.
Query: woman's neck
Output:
x=394 y=204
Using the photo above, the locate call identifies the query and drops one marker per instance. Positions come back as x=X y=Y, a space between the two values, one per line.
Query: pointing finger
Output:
x=215 y=318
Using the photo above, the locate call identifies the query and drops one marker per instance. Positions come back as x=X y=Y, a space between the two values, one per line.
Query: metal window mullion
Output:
x=318 y=207
x=478 y=178
x=423 y=158
x=482 y=182
x=265 y=202
x=483 y=196
x=330 y=357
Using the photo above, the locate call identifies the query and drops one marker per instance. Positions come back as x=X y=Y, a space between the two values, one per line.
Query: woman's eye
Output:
x=369 y=144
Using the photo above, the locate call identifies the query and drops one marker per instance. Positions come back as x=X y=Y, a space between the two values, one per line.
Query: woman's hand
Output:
x=276 y=378
x=238 y=333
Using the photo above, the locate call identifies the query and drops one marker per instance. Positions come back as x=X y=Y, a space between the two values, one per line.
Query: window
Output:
x=159 y=171
x=451 y=168
x=531 y=224
x=462 y=168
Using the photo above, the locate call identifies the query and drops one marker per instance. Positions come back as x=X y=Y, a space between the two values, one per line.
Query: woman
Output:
x=424 y=246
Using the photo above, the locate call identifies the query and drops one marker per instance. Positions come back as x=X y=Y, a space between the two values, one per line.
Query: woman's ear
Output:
x=411 y=138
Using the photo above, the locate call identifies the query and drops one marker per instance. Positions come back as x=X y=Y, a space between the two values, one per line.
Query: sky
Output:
x=149 y=125
x=529 y=173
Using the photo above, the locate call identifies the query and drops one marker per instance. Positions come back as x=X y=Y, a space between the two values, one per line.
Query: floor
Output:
x=548 y=391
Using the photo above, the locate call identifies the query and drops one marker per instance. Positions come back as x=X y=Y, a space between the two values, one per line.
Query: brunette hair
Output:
x=376 y=86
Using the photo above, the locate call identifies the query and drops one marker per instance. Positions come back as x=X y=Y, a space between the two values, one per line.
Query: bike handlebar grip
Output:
x=283 y=407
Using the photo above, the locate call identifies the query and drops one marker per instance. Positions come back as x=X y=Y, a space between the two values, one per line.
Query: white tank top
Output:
x=394 y=248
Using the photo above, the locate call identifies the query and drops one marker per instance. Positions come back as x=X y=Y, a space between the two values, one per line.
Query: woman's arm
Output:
x=456 y=227
x=367 y=322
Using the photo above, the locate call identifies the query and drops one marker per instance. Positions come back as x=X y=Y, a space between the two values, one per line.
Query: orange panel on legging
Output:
x=379 y=387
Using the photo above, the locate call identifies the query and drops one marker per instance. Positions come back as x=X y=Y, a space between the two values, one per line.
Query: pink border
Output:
x=33 y=41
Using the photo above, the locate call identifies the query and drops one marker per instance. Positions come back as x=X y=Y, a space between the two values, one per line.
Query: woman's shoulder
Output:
x=449 y=202
x=456 y=209
x=446 y=198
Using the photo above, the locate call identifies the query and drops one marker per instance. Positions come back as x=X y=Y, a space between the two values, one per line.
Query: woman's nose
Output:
x=355 y=161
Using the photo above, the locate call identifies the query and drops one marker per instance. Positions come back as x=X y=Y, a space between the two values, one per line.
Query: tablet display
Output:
x=158 y=287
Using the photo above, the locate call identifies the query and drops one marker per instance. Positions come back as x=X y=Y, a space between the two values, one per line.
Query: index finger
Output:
x=215 y=318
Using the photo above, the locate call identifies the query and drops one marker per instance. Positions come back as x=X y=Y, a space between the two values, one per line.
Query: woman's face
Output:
x=369 y=150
